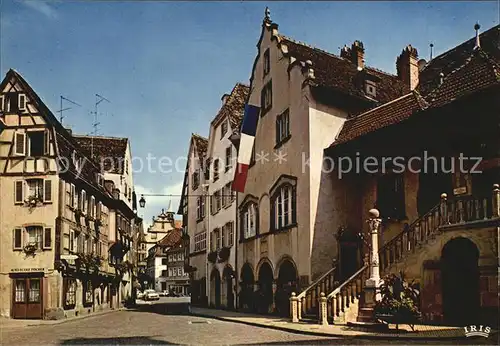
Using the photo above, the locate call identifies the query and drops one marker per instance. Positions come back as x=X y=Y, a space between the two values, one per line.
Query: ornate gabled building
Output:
x=305 y=95
x=57 y=216
x=194 y=211
x=429 y=162
x=156 y=263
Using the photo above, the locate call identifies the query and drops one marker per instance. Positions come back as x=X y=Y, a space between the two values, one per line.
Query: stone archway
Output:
x=228 y=276
x=460 y=282
x=246 y=288
x=287 y=283
x=215 y=288
x=263 y=298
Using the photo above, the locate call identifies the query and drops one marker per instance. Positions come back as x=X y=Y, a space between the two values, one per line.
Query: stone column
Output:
x=370 y=294
x=374 y=223
x=275 y=286
x=294 y=308
x=496 y=200
x=323 y=315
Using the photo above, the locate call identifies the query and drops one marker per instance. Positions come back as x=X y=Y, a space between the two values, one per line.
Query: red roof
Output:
x=234 y=107
x=171 y=239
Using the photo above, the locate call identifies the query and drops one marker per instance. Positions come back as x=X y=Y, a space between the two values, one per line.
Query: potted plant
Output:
x=399 y=303
x=212 y=257
x=224 y=254
x=32 y=200
x=30 y=248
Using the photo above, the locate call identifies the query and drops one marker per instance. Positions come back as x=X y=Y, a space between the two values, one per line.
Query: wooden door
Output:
x=27 y=298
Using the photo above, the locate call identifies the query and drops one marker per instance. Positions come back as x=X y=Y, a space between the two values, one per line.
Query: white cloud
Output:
x=42 y=7
x=154 y=204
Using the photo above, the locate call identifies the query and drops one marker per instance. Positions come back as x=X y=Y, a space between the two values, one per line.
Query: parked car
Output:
x=163 y=293
x=151 y=295
x=140 y=295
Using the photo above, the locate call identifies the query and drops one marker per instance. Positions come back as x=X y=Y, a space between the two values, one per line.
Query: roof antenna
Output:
x=432 y=46
x=61 y=110
x=478 y=43
x=98 y=100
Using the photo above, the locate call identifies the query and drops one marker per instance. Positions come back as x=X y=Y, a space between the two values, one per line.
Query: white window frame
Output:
x=92 y=206
x=229 y=156
x=83 y=201
x=2 y=103
x=19 y=97
x=250 y=221
x=285 y=201
x=283 y=126
x=230 y=233
x=72 y=192
x=20 y=230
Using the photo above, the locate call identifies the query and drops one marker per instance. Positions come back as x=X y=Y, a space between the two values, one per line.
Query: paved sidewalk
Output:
x=14 y=323
x=423 y=332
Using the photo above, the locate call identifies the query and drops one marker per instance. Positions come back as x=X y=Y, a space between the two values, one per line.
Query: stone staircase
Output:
x=342 y=301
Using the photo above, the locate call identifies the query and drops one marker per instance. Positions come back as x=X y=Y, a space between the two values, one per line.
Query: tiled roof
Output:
x=478 y=72
x=234 y=107
x=456 y=57
x=201 y=144
x=171 y=239
x=341 y=74
x=66 y=144
x=382 y=116
x=109 y=152
x=472 y=71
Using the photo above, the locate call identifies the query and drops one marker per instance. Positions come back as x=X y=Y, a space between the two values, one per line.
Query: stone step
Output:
x=369 y=325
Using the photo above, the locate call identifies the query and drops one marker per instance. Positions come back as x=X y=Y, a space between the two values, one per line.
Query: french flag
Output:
x=247 y=139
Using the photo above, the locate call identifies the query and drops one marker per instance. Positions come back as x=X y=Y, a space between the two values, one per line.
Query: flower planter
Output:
x=212 y=257
x=224 y=254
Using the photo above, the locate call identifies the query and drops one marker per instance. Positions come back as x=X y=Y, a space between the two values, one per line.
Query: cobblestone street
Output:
x=149 y=327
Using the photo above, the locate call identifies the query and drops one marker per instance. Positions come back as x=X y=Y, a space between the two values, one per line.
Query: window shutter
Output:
x=47 y=191
x=18 y=191
x=46 y=149
x=278 y=129
x=47 y=238
x=17 y=239
x=20 y=144
x=83 y=201
x=74 y=198
x=294 y=205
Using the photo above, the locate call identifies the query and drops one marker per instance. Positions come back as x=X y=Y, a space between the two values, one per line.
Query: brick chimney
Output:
x=345 y=52
x=407 y=66
x=358 y=54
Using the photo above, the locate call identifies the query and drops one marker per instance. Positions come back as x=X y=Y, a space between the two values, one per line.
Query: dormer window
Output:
x=370 y=88
x=267 y=63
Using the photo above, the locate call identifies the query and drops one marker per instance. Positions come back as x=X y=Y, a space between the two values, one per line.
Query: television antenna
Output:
x=61 y=110
x=98 y=100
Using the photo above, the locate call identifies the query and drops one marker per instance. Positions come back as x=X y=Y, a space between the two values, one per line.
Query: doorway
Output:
x=27 y=297
x=287 y=283
x=350 y=252
x=246 y=300
x=228 y=278
x=460 y=282
x=264 y=295
x=215 y=288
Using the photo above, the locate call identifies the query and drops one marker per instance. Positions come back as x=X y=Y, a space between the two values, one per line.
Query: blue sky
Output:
x=165 y=65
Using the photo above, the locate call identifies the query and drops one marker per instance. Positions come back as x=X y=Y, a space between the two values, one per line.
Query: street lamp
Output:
x=142 y=202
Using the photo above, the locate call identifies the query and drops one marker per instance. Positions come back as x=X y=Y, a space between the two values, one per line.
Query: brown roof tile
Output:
x=109 y=152
x=449 y=61
x=201 y=144
x=234 y=108
x=478 y=72
x=380 y=117
x=341 y=74
x=172 y=238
